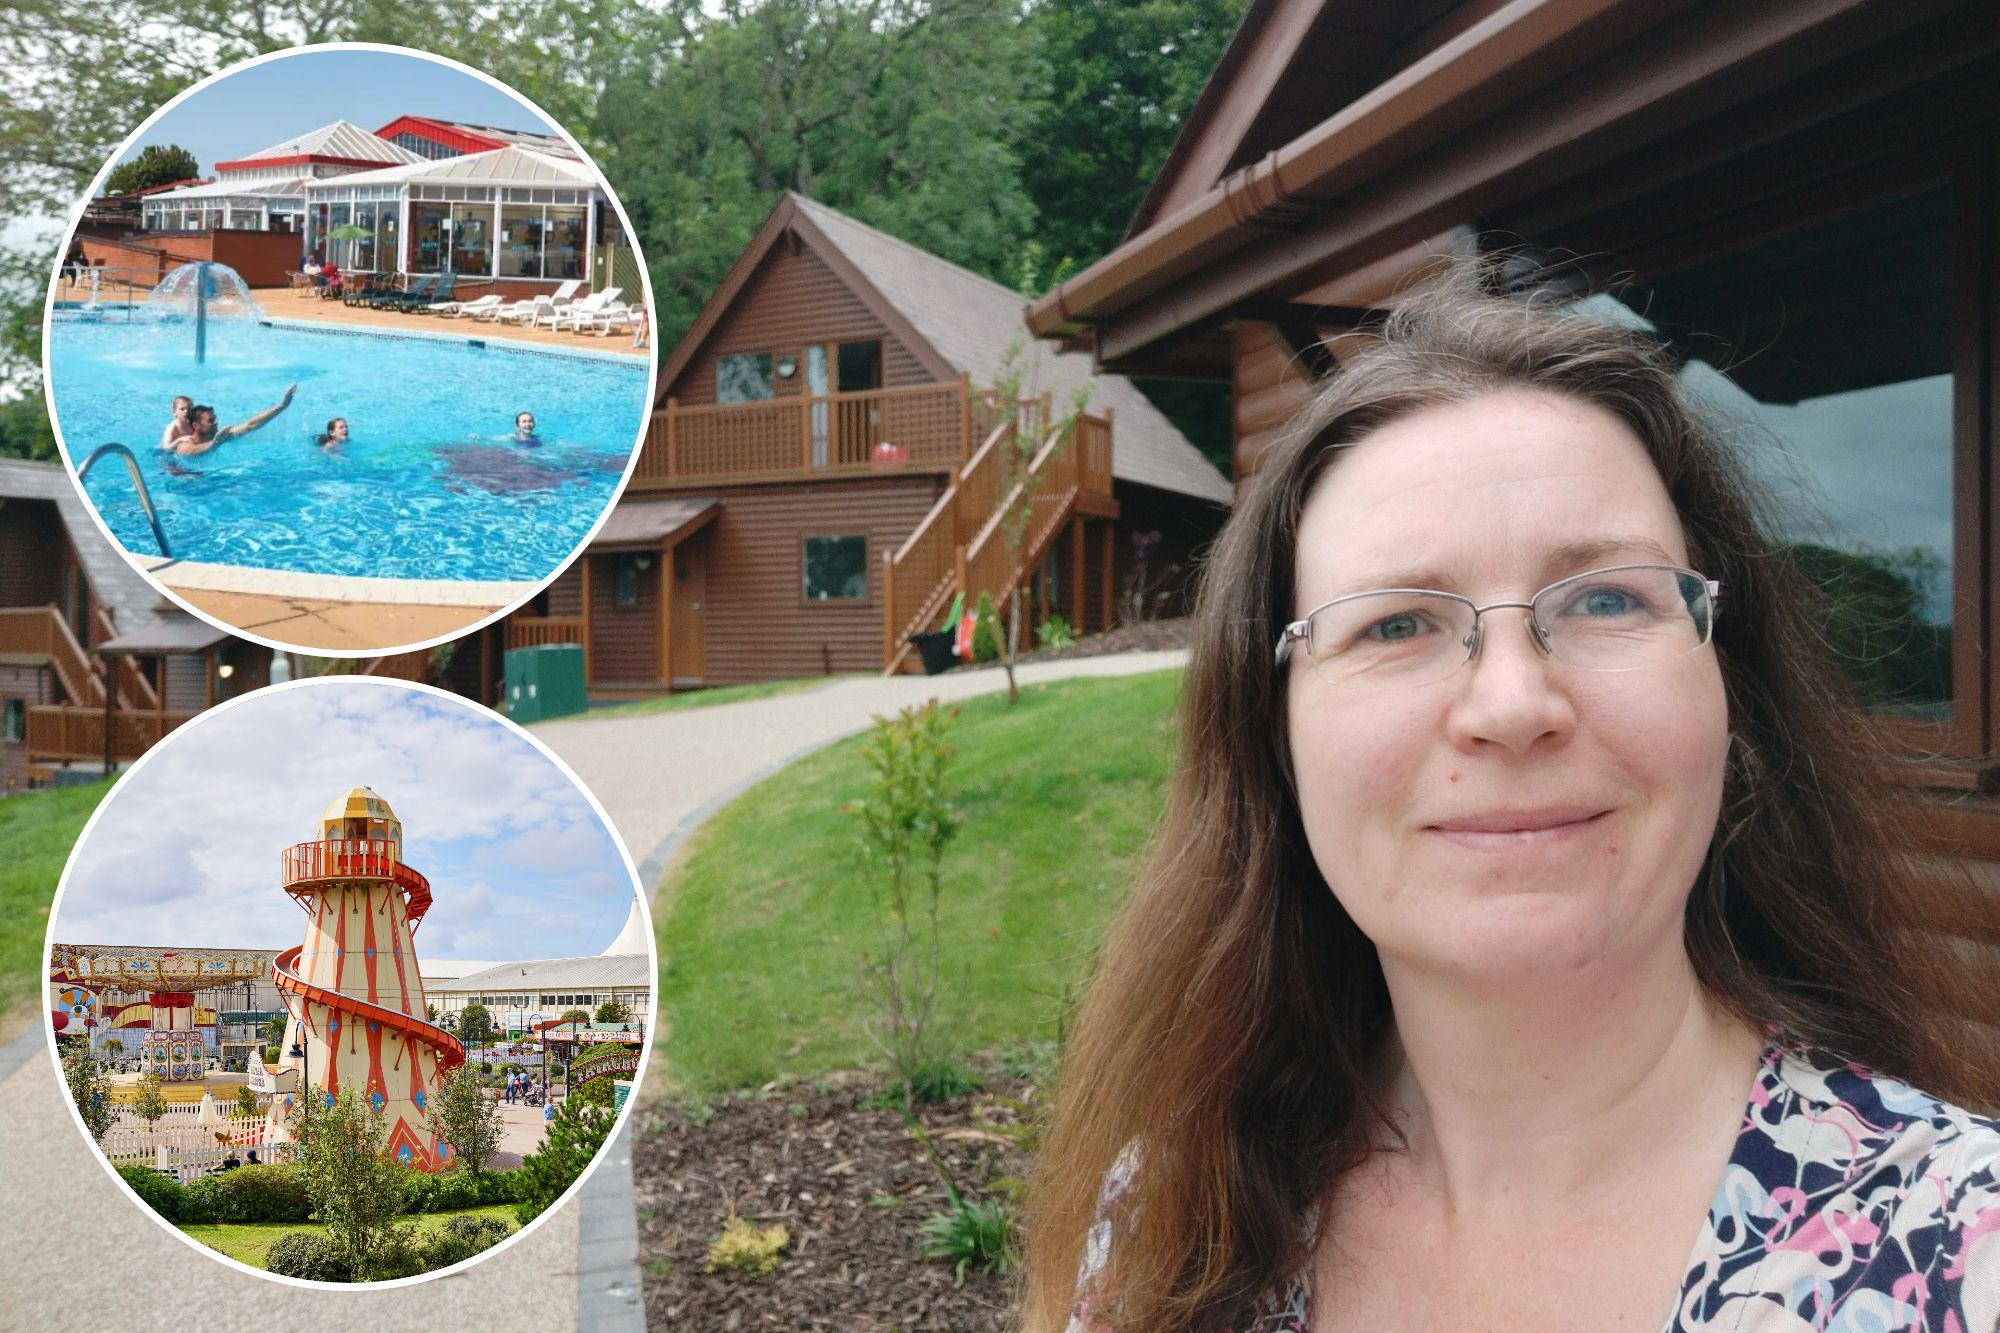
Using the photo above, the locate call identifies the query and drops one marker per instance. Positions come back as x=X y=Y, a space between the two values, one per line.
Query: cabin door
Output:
x=689 y=621
x=818 y=384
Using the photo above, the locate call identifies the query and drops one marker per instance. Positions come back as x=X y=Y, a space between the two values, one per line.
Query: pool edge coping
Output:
x=504 y=343
x=199 y=576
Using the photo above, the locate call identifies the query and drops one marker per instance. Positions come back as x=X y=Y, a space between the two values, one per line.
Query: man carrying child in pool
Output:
x=201 y=434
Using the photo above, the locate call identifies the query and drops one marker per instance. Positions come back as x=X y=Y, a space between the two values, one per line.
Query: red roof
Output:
x=439 y=132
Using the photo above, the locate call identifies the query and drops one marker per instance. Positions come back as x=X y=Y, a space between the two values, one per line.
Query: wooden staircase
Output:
x=960 y=546
x=43 y=630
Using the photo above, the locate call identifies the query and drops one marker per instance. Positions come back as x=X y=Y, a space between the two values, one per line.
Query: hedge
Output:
x=276 y=1192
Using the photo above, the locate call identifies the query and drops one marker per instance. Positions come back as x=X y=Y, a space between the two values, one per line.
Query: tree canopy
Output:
x=157 y=164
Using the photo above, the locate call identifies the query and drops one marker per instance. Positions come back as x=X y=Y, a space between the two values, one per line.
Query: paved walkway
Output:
x=658 y=777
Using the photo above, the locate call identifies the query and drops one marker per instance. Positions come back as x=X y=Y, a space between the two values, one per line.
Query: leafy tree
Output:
x=475 y=1025
x=157 y=164
x=466 y=1118
x=355 y=1190
x=273 y=1031
x=612 y=1012
x=90 y=1089
x=24 y=428
x=246 y=1101
x=151 y=1102
x=575 y=1133
x=578 y=1015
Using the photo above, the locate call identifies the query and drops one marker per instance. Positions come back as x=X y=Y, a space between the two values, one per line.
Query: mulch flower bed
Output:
x=1145 y=636
x=851 y=1185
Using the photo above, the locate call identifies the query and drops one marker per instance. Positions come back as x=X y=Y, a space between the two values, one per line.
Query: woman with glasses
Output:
x=1532 y=940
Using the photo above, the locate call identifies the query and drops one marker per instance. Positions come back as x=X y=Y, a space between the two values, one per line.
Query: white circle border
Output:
x=620 y=1122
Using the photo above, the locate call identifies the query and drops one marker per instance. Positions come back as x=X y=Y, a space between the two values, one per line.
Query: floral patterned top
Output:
x=1852 y=1203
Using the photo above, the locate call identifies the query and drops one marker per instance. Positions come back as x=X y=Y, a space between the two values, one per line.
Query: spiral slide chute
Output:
x=284 y=972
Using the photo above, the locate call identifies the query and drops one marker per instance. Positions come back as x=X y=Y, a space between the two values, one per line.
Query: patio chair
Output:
x=588 y=305
x=613 y=315
x=437 y=288
x=388 y=300
x=457 y=309
x=363 y=288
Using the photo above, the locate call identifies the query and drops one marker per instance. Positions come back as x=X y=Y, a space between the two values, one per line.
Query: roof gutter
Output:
x=1383 y=125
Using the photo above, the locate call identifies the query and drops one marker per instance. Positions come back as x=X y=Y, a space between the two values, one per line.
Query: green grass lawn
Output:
x=250 y=1242
x=764 y=924
x=37 y=829
x=721 y=694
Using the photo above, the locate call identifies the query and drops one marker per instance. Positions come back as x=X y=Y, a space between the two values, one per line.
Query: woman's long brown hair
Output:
x=1224 y=1037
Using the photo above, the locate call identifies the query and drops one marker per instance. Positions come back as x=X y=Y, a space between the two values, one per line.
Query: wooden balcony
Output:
x=62 y=733
x=927 y=427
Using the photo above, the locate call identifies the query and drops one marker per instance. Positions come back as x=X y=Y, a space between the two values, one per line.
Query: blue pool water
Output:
x=428 y=485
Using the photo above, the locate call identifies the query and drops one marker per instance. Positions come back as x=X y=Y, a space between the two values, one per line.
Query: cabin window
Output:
x=625 y=571
x=860 y=366
x=1838 y=395
x=14 y=720
x=836 y=569
x=743 y=377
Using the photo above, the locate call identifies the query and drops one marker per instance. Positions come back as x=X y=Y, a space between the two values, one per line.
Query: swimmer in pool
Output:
x=181 y=425
x=524 y=430
x=336 y=435
x=207 y=434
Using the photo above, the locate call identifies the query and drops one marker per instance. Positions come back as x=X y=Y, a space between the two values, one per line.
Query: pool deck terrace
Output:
x=299 y=304
x=334 y=612
x=286 y=303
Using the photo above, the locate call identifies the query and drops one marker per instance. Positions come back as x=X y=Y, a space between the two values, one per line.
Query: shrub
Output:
x=266 y=1192
x=574 y=1135
x=90 y=1089
x=985 y=630
x=746 y=1247
x=160 y=1193
x=940 y=1081
x=463 y=1237
x=201 y=1202
x=355 y=1190
x=450 y=1191
x=1055 y=633
x=972 y=1233
x=463 y=1116
x=305 y=1254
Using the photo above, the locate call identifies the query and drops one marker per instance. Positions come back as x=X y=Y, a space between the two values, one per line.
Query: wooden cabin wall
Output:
x=35 y=554
x=187 y=683
x=624 y=640
x=1270 y=385
x=760 y=627
x=794 y=299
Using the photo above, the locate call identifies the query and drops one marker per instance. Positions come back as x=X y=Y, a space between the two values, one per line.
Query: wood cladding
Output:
x=793 y=300
x=625 y=638
x=1270 y=387
x=760 y=627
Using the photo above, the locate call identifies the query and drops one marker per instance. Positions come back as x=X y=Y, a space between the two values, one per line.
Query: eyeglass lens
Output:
x=1619 y=619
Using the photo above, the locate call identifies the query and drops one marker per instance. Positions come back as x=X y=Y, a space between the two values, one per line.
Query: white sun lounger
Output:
x=455 y=309
x=587 y=305
x=528 y=310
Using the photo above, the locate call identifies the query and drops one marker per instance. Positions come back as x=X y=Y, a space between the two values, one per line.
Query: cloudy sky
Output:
x=268 y=103
x=186 y=849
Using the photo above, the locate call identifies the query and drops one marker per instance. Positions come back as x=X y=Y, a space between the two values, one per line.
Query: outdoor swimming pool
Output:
x=428 y=486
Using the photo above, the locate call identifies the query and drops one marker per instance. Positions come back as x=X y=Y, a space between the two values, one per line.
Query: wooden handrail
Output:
x=807 y=434
x=63 y=733
x=42 y=629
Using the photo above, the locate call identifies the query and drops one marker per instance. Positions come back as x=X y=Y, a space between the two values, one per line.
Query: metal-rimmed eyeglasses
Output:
x=1621 y=618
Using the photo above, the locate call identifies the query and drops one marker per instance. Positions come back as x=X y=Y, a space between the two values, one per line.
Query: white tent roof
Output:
x=343 y=138
x=498 y=166
x=632 y=938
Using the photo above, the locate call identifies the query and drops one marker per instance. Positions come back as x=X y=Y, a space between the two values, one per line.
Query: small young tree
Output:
x=273 y=1031
x=151 y=1103
x=90 y=1089
x=574 y=1016
x=907 y=821
x=355 y=1190
x=612 y=1012
x=575 y=1133
x=466 y=1118
x=246 y=1101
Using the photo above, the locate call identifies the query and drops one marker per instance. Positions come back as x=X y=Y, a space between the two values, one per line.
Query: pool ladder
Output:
x=138 y=483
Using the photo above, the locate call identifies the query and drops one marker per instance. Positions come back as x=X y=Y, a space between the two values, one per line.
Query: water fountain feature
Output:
x=201 y=292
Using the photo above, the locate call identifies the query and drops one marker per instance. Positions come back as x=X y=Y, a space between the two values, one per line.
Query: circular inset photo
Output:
x=348 y=349
x=349 y=981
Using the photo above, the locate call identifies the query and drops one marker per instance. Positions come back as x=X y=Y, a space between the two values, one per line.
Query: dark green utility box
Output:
x=545 y=682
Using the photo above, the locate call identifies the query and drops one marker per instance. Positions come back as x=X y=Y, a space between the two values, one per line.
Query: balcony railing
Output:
x=307 y=863
x=926 y=426
x=59 y=733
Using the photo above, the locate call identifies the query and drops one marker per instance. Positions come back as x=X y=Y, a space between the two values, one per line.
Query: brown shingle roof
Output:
x=972 y=322
x=113 y=581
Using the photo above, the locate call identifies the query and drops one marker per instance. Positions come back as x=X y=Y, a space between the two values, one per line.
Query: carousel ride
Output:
x=105 y=991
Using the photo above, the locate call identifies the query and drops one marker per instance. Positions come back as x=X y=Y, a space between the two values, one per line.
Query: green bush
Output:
x=402 y=1253
x=449 y=1191
x=572 y=1139
x=266 y=1192
x=305 y=1254
x=463 y=1237
x=986 y=630
x=976 y=1234
x=160 y=1193
x=201 y=1202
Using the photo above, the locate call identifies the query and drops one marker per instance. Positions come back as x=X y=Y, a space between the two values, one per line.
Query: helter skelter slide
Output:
x=356 y=1004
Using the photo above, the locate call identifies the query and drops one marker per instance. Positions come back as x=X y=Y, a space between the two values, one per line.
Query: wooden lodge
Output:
x=74 y=615
x=1801 y=197
x=825 y=466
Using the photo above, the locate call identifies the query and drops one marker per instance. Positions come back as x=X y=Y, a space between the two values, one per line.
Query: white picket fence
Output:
x=187 y=1164
x=183 y=1147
